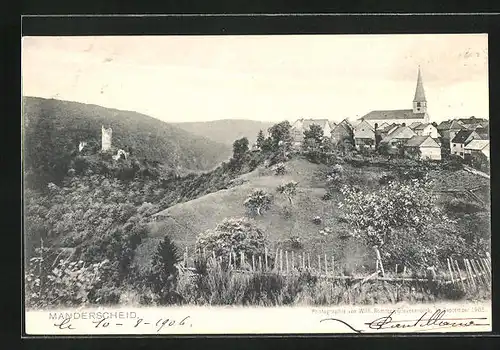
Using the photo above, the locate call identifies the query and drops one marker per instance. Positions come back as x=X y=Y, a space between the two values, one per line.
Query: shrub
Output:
x=233 y=235
x=317 y=220
x=280 y=169
x=295 y=242
x=398 y=218
x=289 y=190
x=69 y=283
x=258 y=202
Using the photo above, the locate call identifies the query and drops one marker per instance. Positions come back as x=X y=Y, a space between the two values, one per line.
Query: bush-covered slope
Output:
x=226 y=130
x=54 y=128
x=283 y=221
x=285 y=224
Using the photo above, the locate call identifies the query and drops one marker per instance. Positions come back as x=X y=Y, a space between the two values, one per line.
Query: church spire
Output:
x=419 y=91
x=419 y=101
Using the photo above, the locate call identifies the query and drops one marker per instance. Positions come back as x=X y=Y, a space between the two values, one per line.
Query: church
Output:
x=399 y=116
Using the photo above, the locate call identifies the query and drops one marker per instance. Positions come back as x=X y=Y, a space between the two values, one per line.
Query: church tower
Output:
x=419 y=101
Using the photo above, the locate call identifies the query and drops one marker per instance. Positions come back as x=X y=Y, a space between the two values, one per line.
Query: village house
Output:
x=473 y=123
x=364 y=135
x=477 y=147
x=399 y=136
x=407 y=116
x=301 y=125
x=461 y=139
x=449 y=128
x=424 y=145
x=341 y=131
x=426 y=129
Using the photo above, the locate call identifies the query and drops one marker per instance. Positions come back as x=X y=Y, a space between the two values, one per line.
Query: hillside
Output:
x=185 y=221
x=226 y=130
x=54 y=128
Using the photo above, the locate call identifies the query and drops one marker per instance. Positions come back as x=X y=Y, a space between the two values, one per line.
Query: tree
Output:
x=260 y=139
x=312 y=143
x=314 y=132
x=397 y=212
x=413 y=152
x=289 y=190
x=240 y=148
x=383 y=149
x=281 y=138
x=233 y=235
x=164 y=272
x=258 y=202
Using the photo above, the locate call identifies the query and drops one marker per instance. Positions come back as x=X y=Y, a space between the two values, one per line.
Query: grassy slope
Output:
x=67 y=123
x=227 y=130
x=186 y=220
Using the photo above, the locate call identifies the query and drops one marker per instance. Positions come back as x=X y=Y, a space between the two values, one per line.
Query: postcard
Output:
x=256 y=184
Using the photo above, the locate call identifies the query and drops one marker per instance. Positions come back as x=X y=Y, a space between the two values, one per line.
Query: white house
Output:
x=478 y=146
x=428 y=147
x=462 y=138
x=427 y=129
x=399 y=136
x=364 y=134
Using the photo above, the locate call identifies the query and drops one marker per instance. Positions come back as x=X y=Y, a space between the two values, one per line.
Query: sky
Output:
x=267 y=78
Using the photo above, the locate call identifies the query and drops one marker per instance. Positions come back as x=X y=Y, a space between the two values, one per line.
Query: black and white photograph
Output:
x=256 y=175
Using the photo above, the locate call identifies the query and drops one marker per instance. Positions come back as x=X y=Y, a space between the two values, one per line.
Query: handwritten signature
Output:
x=424 y=323
x=107 y=322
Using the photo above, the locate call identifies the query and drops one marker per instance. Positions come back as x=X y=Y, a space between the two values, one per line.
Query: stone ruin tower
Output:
x=106 y=138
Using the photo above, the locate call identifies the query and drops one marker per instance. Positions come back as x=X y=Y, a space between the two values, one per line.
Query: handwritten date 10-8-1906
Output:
x=159 y=325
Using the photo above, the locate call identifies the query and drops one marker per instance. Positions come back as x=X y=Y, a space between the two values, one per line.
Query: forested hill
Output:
x=226 y=130
x=54 y=128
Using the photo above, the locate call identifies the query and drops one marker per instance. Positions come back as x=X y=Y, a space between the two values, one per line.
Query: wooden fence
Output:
x=468 y=274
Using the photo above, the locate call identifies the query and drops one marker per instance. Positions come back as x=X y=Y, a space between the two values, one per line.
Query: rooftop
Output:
x=393 y=114
x=477 y=145
x=461 y=136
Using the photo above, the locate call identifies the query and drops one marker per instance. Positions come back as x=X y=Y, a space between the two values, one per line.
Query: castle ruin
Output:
x=106 y=138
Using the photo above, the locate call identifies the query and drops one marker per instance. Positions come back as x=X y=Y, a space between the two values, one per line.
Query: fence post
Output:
x=467 y=267
x=333 y=266
x=293 y=261
x=451 y=272
x=485 y=263
x=276 y=261
x=265 y=256
x=396 y=269
x=326 y=266
x=229 y=264
x=379 y=258
x=186 y=258
x=281 y=260
x=485 y=266
x=319 y=265
x=253 y=262
x=260 y=262
x=486 y=272
x=286 y=259
x=309 y=261
x=242 y=259
x=457 y=268
x=479 y=272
